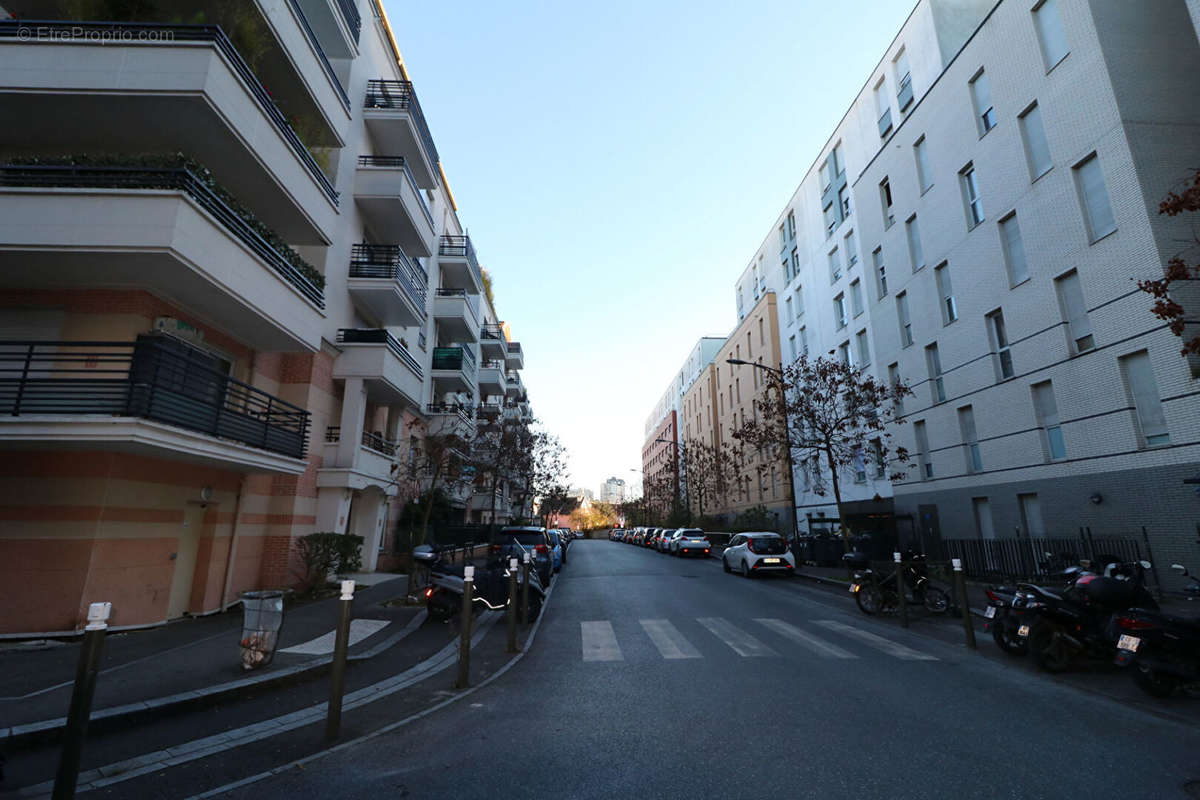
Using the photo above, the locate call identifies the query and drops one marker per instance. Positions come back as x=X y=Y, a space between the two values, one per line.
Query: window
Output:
x=937 y=382
x=970 y=188
x=946 y=293
x=906 y=336
x=981 y=96
x=883 y=108
x=885 y=199
x=921 y=156
x=835 y=265
x=1074 y=312
x=831 y=216
x=791 y=225
x=1051 y=35
x=1047 y=419
x=877 y=457
x=799 y=301
x=880 y=272
x=844 y=201
x=851 y=250
x=792 y=344
x=982 y=507
x=843 y=352
x=860 y=465
x=864 y=349
x=1033 y=137
x=795 y=263
x=1139 y=380
x=856 y=299
x=999 y=341
x=787 y=305
x=783 y=241
x=1013 y=248
x=966 y=425
x=762 y=336
x=827 y=171
x=1098 y=213
x=923 y=456
x=904 y=91
x=803 y=340
x=915 y=252
x=839 y=311
x=893 y=382
x=786 y=270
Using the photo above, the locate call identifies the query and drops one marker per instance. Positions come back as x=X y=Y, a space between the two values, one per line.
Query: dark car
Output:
x=518 y=540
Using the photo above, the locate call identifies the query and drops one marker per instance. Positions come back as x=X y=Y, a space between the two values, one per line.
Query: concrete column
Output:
x=354 y=409
x=333 y=509
x=370 y=517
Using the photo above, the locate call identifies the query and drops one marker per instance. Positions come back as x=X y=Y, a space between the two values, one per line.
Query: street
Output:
x=659 y=677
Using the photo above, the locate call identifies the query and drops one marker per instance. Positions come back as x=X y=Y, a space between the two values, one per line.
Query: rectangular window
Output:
x=877 y=457
x=851 y=250
x=835 y=265
x=839 y=311
x=827 y=170
x=803 y=340
x=1098 y=213
x=981 y=96
x=966 y=425
x=885 y=200
x=921 y=156
x=864 y=349
x=844 y=201
x=791 y=225
x=1139 y=380
x=906 y=335
x=860 y=465
x=946 y=293
x=799 y=301
x=1051 y=35
x=1013 y=248
x=904 y=91
x=856 y=298
x=880 y=272
x=787 y=305
x=883 y=108
x=924 y=457
x=831 y=216
x=983 y=518
x=1033 y=137
x=915 y=252
x=783 y=241
x=999 y=341
x=792 y=343
x=893 y=382
x=844 y=353
x=1074 y=312
x=937 y=382
x=970 y=189
x=1046 y=410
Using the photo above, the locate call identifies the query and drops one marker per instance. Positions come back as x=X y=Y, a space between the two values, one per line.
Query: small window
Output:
x=877 y=457
x=844 y=353
x=970 y=439
x=880 y=272
x=835 y=265
x=915 y=251
x=1139 y=380
x=839 y=311
x=924 y=457
x=803 y=340
x=1074 y=312
x=856 y=298
x=1046 y=409
x=1098 y=213
x=885 y=199
x=799 y=295
x=946 y=293
x=921 y=156
x=981 y=96
x=792 y=344
x=1033 y=138
x=787 y=305
x=937 y=381
x=863 y=347
x=998 y=335
x=1013 y=248
x=970 y=188
x=906 y=335
x=844 y=201
x=883 y=108
x=1051 y=36
x=851 y=250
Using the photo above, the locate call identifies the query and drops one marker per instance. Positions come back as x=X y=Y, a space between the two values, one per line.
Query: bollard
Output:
x=960 y=589
x=902 y=602
x=337 y=673
x=512 y=605
x=525 y=591
x=464 y=646
x=81 y=701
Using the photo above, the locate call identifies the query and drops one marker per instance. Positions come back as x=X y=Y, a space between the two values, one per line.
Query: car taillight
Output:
x=991 y=596
x=497 y=548
x=750 y=545
x=541 y=548
x=429 y=592
x=1134 y=624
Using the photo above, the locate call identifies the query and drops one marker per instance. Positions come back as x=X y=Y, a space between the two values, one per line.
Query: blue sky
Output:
x=618 y=165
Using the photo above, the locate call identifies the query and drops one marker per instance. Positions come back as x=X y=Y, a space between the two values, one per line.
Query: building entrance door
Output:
x=185 y=561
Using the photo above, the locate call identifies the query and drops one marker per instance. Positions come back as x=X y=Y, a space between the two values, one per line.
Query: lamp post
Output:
x=787 y=433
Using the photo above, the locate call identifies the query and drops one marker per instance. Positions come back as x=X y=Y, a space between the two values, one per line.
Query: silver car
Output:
x=689 y=542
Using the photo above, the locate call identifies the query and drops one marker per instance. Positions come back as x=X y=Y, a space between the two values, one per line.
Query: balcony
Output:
x=394 y=119
x=514 y=356
x=487 y=411
x=460 y=265
x=515 y=387
x=146 y=88
x=336 y=24
x=387 y=286
x=156 y=396
x=392 y=204
x=449 y=418
x=491 y=341
x=492 y=380
x=374 y=463
x=389 y=372
x=165 y=228
x=453 y=369
x=457 y=314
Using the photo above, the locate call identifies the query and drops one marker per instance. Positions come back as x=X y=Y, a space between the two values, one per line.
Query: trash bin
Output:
x=262 y=617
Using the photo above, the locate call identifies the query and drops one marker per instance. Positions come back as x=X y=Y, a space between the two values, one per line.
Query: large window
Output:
x=851 y=250
x=856 y=298
x=880 y=272
x=1093 y=195
x=835 y=265
x=937 y=381
x=981 y=96
x=1074 y=312
x=883 y=108
x=863 y=348
x=921 y=156
x=904 y=91
x=999 y=341
x=1046 y=409
x=1139 y=380
x=924 y=457
x=1033 y=137
x=946 y=293
x=1013 y=248
x=970 y=439
x=971 y=196
x=915 y=252
x=1051 y=35
x=893 y=382
x=839 y=311
x=906 y=335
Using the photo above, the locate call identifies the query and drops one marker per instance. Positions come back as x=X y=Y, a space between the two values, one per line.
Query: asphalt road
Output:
x=655 y=677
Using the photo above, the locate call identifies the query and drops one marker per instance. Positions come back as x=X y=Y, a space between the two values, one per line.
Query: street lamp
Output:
x=787 y=434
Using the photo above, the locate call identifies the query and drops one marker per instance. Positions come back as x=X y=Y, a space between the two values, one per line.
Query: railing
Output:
x=350 y=15
x=461 y=247
x=469 y=357
x=492 y=363
x=169 y=33
x=472 y=300
x=1025 y=557
x=460 y=410
x=489 y=331
x=398 y=162
x=180 y=179
x=904 y=96
x=389 y=261
x=372 y=441
x=316 y=45
x=380 y=336
x=487 y=409
x=402 y=96
x=515 y=349
x=154 y=378
x=333 y=434
x=457 y=358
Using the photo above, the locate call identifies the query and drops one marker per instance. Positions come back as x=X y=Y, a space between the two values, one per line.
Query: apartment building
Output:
x=613 y=491
x=228 y=314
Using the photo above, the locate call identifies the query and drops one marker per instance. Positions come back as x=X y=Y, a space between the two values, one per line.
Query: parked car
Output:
x=557 y=549
x=689 y=542
x=616 y=534
x=758 y=552
x=663 y=542
x=519 y=539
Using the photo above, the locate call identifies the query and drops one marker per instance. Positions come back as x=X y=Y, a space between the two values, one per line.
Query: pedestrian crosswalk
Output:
x=599 y=639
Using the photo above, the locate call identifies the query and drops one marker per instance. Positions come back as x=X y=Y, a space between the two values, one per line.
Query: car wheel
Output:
x=745 y=570
x=725 y=564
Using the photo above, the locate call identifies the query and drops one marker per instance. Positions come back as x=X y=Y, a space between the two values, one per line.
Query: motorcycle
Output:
x=874 y=594
x=1161 y=651
x=444 y=593
x=1004 y=614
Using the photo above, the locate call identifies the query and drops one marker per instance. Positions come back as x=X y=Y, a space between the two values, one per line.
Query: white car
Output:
x=758 y=552
x=689 y=542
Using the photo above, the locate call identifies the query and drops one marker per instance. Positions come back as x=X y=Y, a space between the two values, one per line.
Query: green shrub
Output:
x=327 y=552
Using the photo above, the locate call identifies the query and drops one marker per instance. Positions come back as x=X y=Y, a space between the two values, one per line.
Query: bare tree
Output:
x=542 y=469
x=499 y=452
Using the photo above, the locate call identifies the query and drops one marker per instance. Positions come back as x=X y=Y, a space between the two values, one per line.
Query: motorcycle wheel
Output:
x=1153 y=682
x=869 y=599
x=891 y=603
x=1006 y=638
x=1050 y=650
x=936 y=600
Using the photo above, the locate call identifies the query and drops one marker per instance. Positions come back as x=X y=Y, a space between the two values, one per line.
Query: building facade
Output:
x=613 y=491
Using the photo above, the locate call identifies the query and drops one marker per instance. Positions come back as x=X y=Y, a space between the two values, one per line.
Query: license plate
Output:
x=1129 y=643
x=853 y=588
x=989 y=612
x=1023 y=630
x=770 y=560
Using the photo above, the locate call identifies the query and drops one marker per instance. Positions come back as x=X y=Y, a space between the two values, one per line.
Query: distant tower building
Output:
x=613 y=491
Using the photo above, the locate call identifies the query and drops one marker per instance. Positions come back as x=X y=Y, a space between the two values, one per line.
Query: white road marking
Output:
x=668 y=639
x=599 y=642
x=820 y=646
x=359 y=629
x=742 y=643
x=878 y=642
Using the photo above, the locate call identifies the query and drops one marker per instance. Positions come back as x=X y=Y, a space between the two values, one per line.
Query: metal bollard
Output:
x=512 y=605
x=464 y=646
x=902 y=602
x=81 y=701
x=337 y=683
x=525 y=591
x=960 y=589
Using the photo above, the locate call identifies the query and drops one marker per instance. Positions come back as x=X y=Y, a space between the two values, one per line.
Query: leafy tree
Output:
x=1179 y=288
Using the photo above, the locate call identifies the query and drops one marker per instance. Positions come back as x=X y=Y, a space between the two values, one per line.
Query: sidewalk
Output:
x=191 y=660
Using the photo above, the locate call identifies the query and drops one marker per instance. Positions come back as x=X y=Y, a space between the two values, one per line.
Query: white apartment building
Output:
x=203 y=359
x=613 y=491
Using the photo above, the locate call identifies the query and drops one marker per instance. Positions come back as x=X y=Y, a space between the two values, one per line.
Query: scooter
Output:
x=1005 y=613
x=1161 y=651
x=444 y=594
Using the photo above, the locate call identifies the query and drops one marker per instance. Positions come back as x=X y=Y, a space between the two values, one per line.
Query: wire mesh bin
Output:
x=262 y=617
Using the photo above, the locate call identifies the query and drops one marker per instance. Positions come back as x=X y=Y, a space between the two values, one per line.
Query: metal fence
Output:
x=1035 y=558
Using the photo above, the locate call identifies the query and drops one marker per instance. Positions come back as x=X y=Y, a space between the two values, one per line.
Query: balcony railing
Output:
x=379 y=336
x=492 y=363
x=456 y=358
x=170 y=33
x=316 y=45
x=282 y=258
x=389 y=261
x=461 y=247
x=489 y=331
x=371 y=441
x=472 y=299
x=154 y=378
x=350 y=15
x=487 y=409
x=460 y=410
x=398 y=162
x=402 y=96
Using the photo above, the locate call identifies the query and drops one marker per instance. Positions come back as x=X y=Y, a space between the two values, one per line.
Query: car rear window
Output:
x=693 y=533
x=527 y=538
x=771 y=545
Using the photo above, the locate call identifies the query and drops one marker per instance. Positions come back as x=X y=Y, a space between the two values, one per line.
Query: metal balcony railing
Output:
x=457 y=358
x=487 y=409
x=371 y=441
x=489 y=331
x=316 y=45
x=492 y=363
x=389 y=261
x=398 y=162
x=461 y=247
x=380 y=336
x=155 y=378
x=351 y=17
x=401 y=95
